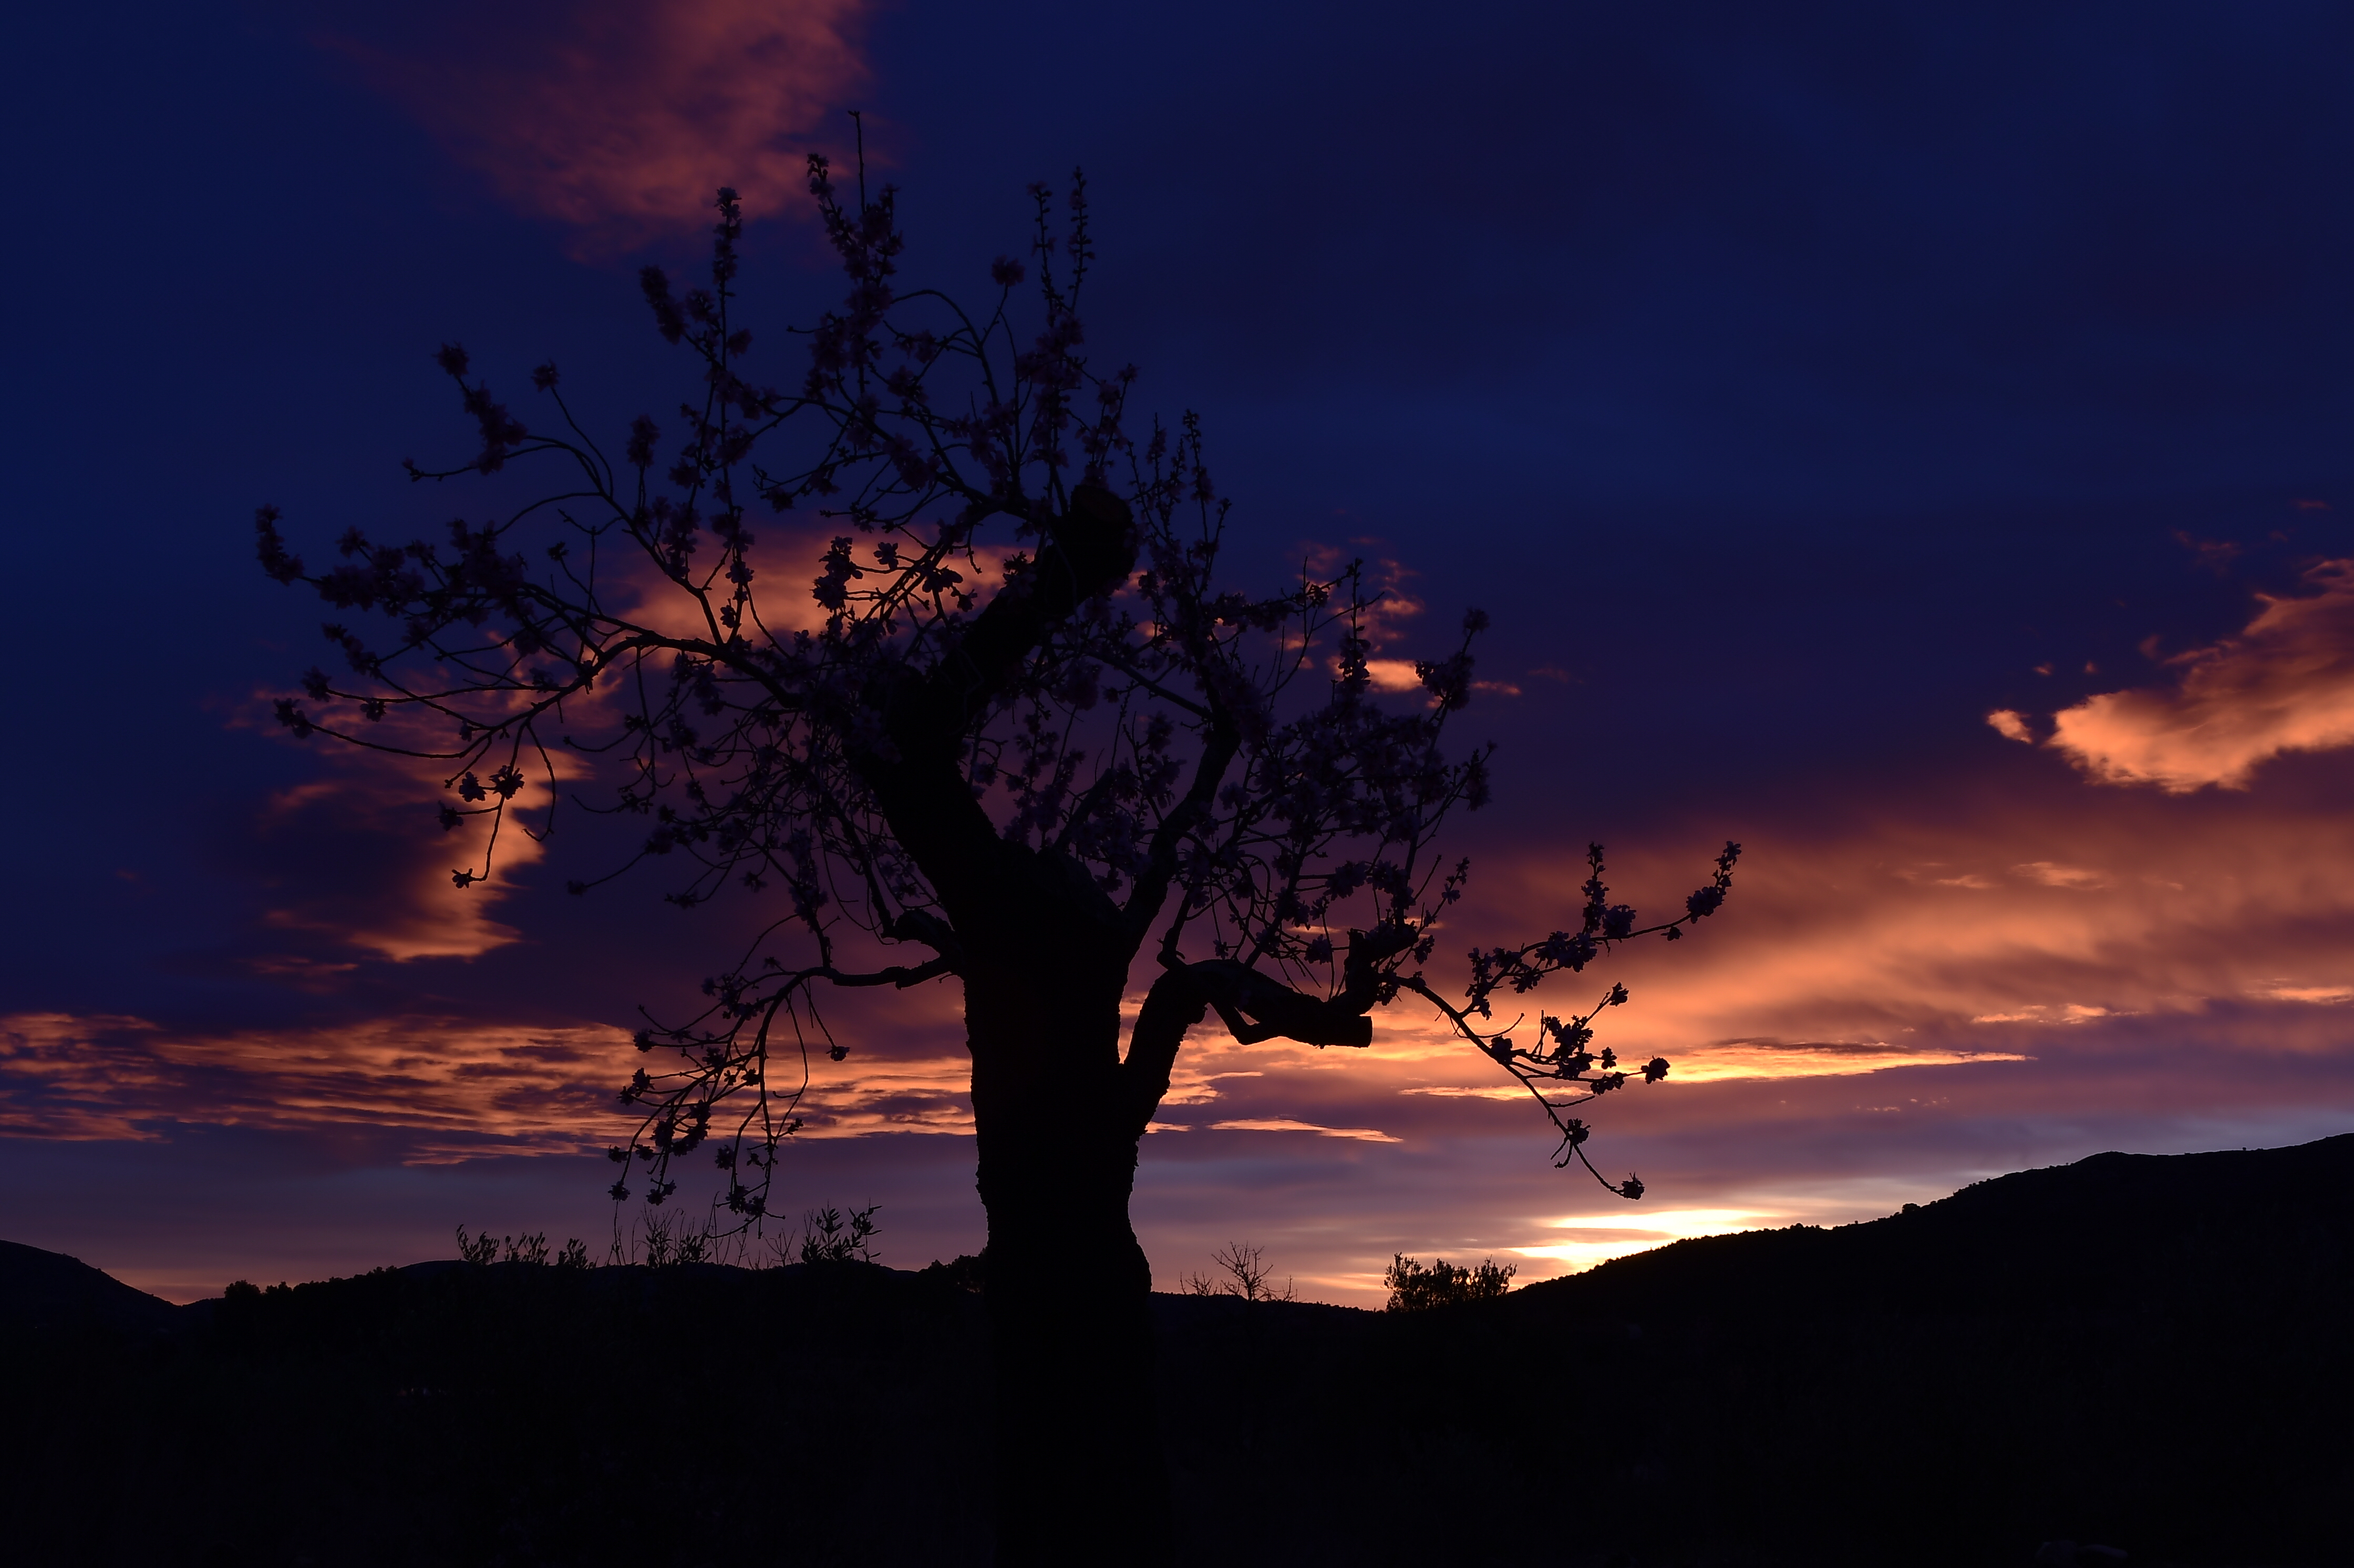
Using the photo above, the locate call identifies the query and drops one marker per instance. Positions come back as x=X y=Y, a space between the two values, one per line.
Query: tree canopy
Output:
x=1017 y=729
x=1214 y=765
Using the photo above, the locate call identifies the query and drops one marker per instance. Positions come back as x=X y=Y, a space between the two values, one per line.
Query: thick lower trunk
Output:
x=1080 y=1474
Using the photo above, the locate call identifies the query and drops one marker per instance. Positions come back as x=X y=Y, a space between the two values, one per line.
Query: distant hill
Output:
x=45 y=1292
x=2149 y=1353
x=2115 y=1229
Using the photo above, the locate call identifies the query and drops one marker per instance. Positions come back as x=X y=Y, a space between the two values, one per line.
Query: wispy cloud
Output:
x=2021 y=928
x=1773 y=1060
x=2320 y=995
x=431 y=1089
x=1282 y=1124
x=443 y=1089
x=1769 y=1060
x=2285 y=684
x=2052 y=873
x=2046 y=1012
x=621 y=119
x=355 y=857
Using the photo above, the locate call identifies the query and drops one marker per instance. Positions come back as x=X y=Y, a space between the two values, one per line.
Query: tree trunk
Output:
x=1043 y=953
x=1081 y=1473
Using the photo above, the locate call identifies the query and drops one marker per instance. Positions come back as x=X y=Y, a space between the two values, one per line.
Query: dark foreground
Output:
x=2152 y=1353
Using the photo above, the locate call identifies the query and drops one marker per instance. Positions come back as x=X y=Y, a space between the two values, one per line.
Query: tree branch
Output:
x=922 y=926
x=1151 y=889
x=919 y=785
x=1090 y=551
x=1278 y=1010
x=1173 y=1006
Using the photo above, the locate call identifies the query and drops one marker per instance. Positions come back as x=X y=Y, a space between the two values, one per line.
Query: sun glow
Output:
x=1596 y=1238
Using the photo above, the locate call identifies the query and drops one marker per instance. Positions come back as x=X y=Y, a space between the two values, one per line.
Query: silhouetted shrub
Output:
x=833 y=1236
x=1415 y=1289
x=1248 y=1276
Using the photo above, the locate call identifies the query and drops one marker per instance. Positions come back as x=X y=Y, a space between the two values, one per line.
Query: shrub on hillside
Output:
x=1415 y=1289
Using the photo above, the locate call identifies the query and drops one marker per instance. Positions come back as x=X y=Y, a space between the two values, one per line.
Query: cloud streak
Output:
x=352 y=858
x=621 y=119
x=441 y=1089
x=2285 y=684
x=2017 y=927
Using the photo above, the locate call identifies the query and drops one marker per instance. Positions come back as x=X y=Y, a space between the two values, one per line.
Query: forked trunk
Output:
x=1081 y=1473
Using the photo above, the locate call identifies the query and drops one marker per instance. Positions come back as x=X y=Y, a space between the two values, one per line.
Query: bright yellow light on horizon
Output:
x=1632 y=1232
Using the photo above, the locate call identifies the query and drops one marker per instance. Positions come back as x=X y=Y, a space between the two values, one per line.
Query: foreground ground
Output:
x=2147 y=1353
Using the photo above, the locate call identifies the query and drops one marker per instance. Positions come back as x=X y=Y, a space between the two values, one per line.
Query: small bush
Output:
x=531 y=1248
x=968 y=1273
x=834 y=1237
x=1415 y=1289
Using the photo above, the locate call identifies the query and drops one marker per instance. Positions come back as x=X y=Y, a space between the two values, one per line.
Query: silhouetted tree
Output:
x=1415 y=1288
x=1019 y=725
x=1249 y=1276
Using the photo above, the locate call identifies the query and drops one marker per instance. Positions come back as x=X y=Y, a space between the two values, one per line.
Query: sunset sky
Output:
x=1912 y=441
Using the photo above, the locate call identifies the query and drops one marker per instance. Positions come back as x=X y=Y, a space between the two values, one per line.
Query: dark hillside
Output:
x=512 y=1413
x=2147 y=1352
x=48 y=1292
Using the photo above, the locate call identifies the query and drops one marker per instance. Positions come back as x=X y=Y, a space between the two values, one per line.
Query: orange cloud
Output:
x=448 y=1089
x=925 y=1093
x=444 y=1089
x=2020 y=929
x=1285 y=1124
x=365 y=864
x=2052 y=874
x=622 y=119
x=2285 y=683
x=355 y=854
